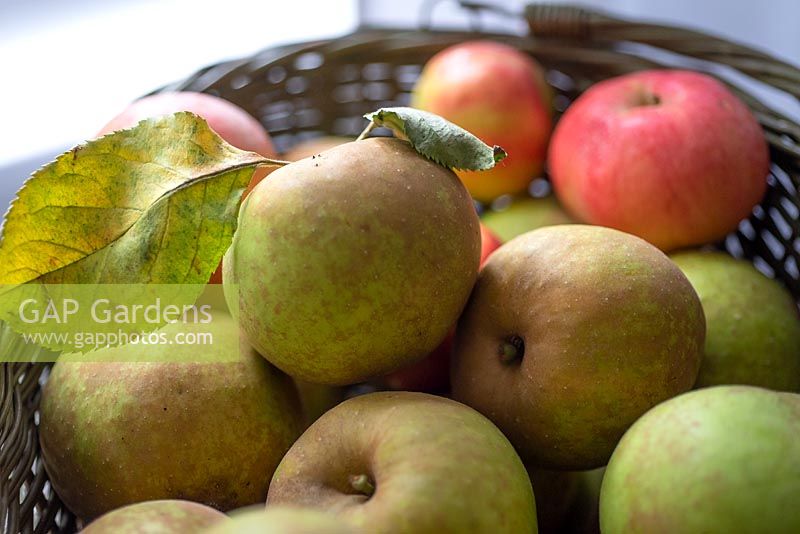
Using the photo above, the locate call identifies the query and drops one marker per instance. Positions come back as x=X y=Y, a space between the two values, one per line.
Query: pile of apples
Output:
x=576 y=345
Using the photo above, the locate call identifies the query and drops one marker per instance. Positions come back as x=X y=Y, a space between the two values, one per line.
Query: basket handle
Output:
x=564 y=22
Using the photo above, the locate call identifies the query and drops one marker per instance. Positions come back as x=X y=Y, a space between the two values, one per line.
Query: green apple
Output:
x=115 y=433
x=719 y=459
x=157 y=517
x=524 y=215
x=571 y=334
x=283 y=520
x=753 y=325
x=401 y=462
x=355 y=262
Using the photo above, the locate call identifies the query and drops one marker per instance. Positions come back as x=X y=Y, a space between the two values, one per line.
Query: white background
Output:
x=68 y=66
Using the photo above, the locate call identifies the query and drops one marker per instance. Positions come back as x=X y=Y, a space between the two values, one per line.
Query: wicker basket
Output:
x=323 y=87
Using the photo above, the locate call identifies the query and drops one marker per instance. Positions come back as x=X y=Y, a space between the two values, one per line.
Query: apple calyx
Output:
x=646 y=98
x=362 y=484
x=512 y=349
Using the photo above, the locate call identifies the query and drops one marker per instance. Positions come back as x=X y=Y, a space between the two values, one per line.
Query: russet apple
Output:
x=209 y=428
x=753 y=324
x=498 y=93
x=571 y=333
x=402 y=462
x=671 y=156
x=354 y=263
x=314 y=146
x=718 y=459
x=157 y=517
x=283 y=520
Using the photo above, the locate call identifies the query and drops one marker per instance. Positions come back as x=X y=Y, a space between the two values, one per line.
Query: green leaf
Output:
x=438 y=139
x=156 y=203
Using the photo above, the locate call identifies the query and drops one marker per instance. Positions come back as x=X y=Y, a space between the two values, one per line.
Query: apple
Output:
x=719 y=459
x=571 y=333
x=402 y=462
x=524 y=215
x=346 y=270
x=489 y=243
x=432 y=373
x=753 y=325
x=157 y=517
x=231 y=122
x=282 y=520
x=498 y=93
x=669 y=155
x=205 y=427
x=228 y=120
x=314 y=146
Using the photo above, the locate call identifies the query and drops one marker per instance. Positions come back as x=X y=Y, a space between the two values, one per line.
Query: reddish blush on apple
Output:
x=671 y=156
x=499 y=94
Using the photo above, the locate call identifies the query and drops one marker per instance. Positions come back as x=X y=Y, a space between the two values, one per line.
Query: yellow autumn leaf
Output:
x=156 y=203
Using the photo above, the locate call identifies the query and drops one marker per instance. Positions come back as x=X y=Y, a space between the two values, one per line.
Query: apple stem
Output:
x=371 y=126
x=362 y=484
x=512 y=349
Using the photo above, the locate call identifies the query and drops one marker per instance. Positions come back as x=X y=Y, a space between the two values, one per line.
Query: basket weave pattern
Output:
x=324 y=87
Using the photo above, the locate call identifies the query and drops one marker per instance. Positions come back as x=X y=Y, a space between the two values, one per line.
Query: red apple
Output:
x=489 y=243
x=231 y=122
x=432 y=373
x=216 y=276
x=671 y=156
x=499 y=94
